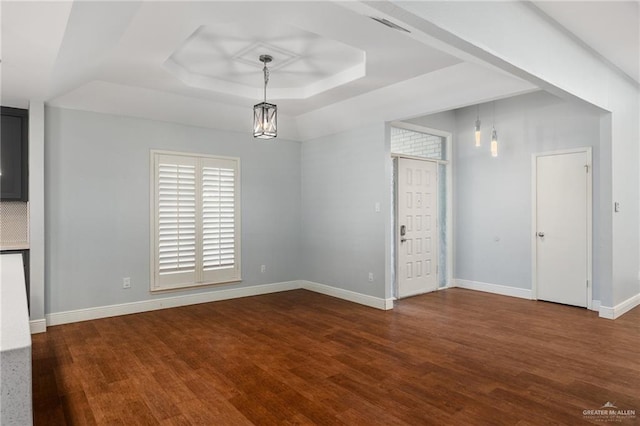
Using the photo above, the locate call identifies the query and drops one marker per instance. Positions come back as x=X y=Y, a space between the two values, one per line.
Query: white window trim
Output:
x=154 y=286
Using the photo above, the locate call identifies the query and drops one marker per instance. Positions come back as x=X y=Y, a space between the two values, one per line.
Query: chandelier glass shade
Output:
x=265 y=115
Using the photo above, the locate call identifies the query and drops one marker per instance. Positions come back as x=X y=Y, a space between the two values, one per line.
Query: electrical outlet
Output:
x=370 y=276
x=263 y=268
x=126 y=282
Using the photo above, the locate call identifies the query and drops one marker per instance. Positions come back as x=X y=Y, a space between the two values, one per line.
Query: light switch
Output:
x=378 y=207
x=616 y=207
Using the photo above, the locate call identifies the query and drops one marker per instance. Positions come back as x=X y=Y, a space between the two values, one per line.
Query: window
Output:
x=195 y=217
x=417 y=144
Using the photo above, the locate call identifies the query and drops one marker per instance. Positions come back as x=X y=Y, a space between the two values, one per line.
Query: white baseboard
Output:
x=38 y=326
x=166 y=302
x=78 y=315
x=603 y=311
x=620 y=309
x=352 y=296
x=504 y=290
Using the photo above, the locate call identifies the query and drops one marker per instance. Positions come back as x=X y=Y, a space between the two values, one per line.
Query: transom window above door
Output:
x=417 y=144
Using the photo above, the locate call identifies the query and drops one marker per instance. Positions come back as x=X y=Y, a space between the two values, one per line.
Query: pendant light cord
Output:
x=266 y=80
x=493 y=118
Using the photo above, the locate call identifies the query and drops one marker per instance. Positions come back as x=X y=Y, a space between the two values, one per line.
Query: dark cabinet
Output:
x=14 y=157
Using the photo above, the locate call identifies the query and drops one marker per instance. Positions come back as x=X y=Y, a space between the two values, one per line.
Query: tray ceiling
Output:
x=224 y=58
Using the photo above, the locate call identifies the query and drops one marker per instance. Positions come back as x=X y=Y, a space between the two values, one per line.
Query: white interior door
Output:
x=417 y=219
x=562 y=227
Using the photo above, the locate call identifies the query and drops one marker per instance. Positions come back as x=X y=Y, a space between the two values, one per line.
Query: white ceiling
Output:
x=611 y=28
x=197 y=63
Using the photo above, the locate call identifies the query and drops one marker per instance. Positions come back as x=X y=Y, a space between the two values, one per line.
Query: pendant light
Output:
x=494 y=134
x=478 y=127
x=265 y=115
x=494 y=143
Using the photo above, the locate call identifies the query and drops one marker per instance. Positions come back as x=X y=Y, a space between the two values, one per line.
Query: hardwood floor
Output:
x=452 y=357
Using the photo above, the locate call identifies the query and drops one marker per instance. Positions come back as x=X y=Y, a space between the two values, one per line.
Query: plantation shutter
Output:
x=196 y=221
x=175 y=193
x=220 y=240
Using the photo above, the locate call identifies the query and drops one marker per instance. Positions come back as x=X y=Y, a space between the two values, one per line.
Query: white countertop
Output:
x=14 y=315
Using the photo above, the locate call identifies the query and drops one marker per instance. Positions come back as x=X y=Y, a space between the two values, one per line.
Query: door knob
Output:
x=541 y=234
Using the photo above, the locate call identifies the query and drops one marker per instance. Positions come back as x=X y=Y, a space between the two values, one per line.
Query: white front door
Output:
x=562 y=227
x=417 y=235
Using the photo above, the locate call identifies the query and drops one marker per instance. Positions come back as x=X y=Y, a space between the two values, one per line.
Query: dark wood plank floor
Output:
x=452 y=357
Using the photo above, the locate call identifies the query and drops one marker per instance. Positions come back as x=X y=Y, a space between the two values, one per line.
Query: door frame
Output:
x=449 y=167
x=534 y=210
x=397 y=234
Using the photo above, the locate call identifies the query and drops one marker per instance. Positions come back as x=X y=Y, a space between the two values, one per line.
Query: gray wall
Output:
x=36 y=211
x=343 y=237
x=308 y=210
x=97 y=205
x=538 y=50
x=493 y=195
